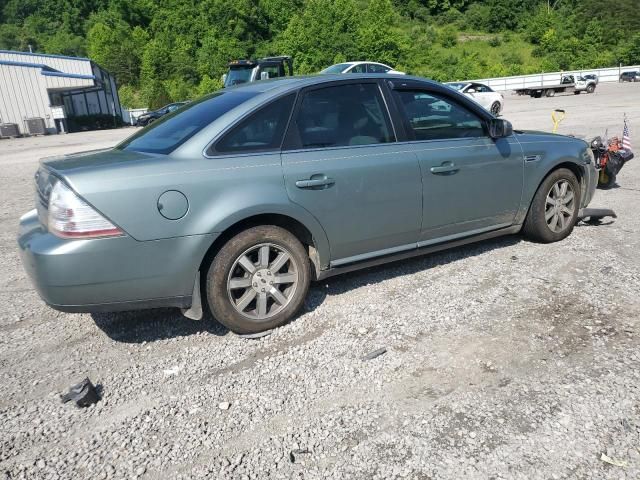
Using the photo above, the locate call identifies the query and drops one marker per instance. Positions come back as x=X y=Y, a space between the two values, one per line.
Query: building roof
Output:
x=45 y=69
x=15 y=52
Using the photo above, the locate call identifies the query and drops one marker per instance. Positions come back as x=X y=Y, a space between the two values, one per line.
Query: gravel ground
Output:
x=505 y=359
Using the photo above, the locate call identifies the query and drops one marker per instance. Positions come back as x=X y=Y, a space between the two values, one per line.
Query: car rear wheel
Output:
x=551 y=93
x=554 y=209
x=495 y=108
x=258 y=280
x=590 y=88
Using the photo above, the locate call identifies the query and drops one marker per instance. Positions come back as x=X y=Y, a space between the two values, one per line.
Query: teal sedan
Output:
x=240 y=199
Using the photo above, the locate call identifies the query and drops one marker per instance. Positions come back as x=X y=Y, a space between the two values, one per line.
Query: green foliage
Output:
x=478 y=16
x=322 y=32
x=631 y=51
x=130 y=97
x=168 y=50
x=449 y=37
x=115 y=46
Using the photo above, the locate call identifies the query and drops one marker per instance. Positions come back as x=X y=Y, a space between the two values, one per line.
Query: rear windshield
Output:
x=338 y=68
x=457 y=86
x=169 y=132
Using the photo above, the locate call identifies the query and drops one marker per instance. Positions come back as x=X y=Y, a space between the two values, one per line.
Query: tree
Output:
x=631 y=51
x=323 y=32
x=115 y=46
x=377 y=36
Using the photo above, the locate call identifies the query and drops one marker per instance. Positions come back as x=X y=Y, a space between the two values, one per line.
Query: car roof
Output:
x=294 y=82
x=360 y=62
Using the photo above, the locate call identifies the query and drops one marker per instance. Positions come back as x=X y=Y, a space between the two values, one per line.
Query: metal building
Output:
x=49 y=93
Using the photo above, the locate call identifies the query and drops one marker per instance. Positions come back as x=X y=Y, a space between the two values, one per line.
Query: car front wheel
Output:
x=495 y=108
x=554 y=209
x=258 y=280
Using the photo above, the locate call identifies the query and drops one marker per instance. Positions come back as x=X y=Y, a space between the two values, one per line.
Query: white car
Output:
x=361 y=67
x=482 y=94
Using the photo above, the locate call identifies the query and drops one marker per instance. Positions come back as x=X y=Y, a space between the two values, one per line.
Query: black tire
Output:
x=495 y=108
x=576 y=92
x=535 y=225
x=220 y=271
x=550 y=93
x=591 y=88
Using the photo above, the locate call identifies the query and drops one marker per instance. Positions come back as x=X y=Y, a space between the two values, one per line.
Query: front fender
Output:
x=544 y=153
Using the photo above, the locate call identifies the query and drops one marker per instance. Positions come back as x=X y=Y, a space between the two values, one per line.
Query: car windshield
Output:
x=171 y=131
x=337 y=68
x=238 y=75
x=457 y=86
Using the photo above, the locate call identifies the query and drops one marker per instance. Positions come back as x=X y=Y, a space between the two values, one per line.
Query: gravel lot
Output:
x=505 y=359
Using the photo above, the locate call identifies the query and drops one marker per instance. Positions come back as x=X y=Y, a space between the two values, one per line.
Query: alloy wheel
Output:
x=262 y=281
x=560 y=206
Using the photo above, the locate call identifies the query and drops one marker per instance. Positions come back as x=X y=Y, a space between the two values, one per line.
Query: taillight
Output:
x=71 y=217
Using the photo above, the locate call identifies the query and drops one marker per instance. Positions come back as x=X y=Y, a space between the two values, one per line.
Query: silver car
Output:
x=237 y=201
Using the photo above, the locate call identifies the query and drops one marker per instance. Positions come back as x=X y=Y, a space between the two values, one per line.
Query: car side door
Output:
x=484 y=96
x=477 y=94
x=472 y=183
x=342 y=163
x=358 y=68
x=377 y=68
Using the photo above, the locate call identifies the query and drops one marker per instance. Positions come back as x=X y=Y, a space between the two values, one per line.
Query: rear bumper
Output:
x=110 y=274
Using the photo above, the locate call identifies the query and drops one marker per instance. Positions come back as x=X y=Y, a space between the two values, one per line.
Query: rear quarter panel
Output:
x=221 y=191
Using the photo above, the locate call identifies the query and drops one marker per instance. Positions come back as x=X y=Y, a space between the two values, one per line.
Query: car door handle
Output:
x=448 y=168
x=323 y=182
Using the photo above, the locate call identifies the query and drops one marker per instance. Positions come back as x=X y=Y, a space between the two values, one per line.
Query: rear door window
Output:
x=360 y=68
x=373 y=68
x=342 y=115
x=261 y=131
x=172 y=130
x=430 y=116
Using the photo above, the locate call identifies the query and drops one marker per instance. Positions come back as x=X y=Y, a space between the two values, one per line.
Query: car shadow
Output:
x=153 y=325
x=161 y=324
x=353 y=280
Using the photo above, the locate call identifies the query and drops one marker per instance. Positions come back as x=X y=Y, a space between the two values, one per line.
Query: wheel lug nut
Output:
x=271 y=282
x=263 y=289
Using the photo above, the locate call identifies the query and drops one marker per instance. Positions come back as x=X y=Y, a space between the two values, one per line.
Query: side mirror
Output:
x=264 y=75
x=471 y=90
x=224 y=78
x=499 y=128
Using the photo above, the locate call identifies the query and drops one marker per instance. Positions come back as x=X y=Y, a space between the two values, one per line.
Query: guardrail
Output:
x=553 y=78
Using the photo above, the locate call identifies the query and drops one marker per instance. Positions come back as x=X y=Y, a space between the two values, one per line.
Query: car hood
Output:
x=530 y=136
x=540 y=133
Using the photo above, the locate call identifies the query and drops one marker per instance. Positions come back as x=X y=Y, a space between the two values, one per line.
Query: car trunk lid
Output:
x=72 y=166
